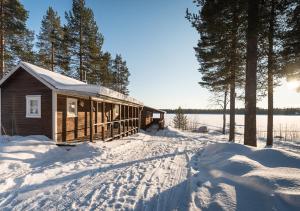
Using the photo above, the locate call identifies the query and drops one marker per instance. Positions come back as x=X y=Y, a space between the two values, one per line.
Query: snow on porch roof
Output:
x=60 y=82
x=154 y=109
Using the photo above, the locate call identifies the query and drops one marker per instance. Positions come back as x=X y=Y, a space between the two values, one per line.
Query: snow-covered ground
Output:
x=164 y=170
x=282 y=123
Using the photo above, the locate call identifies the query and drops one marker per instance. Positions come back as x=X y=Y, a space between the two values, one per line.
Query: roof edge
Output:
x=154 y=109
x=28 y=70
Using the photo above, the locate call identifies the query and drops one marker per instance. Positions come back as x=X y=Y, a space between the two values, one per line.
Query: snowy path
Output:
x=141 y=172
x=165 y=170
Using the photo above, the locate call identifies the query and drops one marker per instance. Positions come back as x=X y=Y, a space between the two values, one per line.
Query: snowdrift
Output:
x=158 y=170
x=236 y=177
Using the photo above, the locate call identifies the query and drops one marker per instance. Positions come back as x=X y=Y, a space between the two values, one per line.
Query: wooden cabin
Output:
x=151 y=116
x=35 y=101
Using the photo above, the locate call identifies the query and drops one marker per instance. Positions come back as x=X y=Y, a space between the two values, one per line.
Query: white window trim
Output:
x=72 y=100
x=33 y=97
x=54 y=116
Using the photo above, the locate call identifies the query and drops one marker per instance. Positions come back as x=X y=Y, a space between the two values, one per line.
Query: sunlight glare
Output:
x=293 y=85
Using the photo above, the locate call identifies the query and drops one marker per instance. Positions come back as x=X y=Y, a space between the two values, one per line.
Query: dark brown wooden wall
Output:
x=78 y=128
x=146 y=119
x=71 y=128
x=13 y=106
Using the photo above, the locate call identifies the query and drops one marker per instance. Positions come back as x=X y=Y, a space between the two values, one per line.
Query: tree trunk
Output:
x=232 y=74
x=251 y=69
x=52 y=56
x=1 y=39
x=232 y=108
x=80 y=43
x=224 y=111
x=270 y=76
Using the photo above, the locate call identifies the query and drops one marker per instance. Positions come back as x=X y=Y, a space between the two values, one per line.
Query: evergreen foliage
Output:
x=105 y=75
x=50 y=40
x=220 y=50
x=16 y=41
x=268 y=31
x=120 y=75
x=291 y=42
x=85 y=41
x=74 y=49
x=180 y=120
x=64 y=57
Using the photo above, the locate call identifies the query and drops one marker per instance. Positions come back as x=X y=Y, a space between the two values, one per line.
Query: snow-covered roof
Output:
x=61 y=82
x=154 y=109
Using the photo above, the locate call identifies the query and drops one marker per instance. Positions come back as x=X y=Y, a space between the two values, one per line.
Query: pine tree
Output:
x=291 y=40
x=272 y=20
x=220 y=48
x=105 y=74
x=85 y=39
x=251 y=71
x=270 y=40
x=49 y=41
x=120 y=75
x=64 y=57
x=15 y=39
x=180 y=120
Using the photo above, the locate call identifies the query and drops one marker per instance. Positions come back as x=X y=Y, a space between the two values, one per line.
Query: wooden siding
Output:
x=146 y=119
x=109 y=120
x=13 y=106
x=71 y=128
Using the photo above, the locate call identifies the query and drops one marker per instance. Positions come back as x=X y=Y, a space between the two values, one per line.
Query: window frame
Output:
x=39 y=100
x=71 y=114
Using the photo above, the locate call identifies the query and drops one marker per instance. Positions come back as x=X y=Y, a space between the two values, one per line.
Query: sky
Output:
x=157 y=43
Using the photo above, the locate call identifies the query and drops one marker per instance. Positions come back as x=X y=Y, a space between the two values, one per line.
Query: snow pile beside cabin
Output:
x=157 y=170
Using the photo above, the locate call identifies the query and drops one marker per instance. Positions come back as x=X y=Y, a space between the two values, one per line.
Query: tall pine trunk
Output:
x=251 y=69
x=232 y=74
x=1 y=39
x=80 y=43
x=270 y=75
x=52 y=56
x=232 y=107
x=224 y=111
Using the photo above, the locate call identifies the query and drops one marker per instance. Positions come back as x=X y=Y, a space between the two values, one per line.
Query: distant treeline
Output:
x=277 y=111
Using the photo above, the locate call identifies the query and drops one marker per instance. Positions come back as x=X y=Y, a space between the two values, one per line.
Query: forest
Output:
x=73 y=49
x=244 y=49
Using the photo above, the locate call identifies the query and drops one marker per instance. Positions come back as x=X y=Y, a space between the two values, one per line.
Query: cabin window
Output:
x=71 y=107
x=116 y=110
x=33 y=106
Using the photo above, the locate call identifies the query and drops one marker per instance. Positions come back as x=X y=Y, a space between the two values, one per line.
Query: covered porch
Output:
x=151 y=116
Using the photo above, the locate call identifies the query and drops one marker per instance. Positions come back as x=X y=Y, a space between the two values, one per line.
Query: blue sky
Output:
x=157 y=43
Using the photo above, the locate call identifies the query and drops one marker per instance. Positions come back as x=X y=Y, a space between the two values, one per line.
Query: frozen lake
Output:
x=287 y=126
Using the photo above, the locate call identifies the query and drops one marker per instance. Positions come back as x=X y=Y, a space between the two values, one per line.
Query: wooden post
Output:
x=131 y=108
x=140 y=117
x=136 y=121
x=123 y=117
x=135 y=128
x=120 y=118
x=128 y=117
x=103 y=121
x=64 y=121
x=112 y=119
x=133 y=119
x=96 y=118
x=91 y=120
